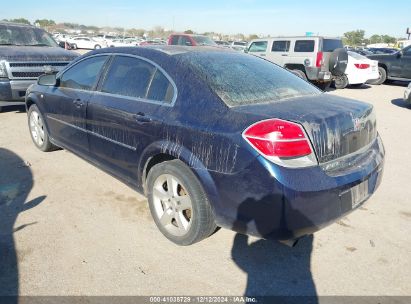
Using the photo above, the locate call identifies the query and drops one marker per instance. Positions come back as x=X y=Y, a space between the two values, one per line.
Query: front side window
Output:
x=185 y=41
x=304 y=46
x=133 y=77
x=83 y=75
x=258 y=46
x=281 y=46
x=407 y=51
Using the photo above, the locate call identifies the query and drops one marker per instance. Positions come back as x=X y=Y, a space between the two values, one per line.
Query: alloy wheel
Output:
x=172 y=205
x=37 y=128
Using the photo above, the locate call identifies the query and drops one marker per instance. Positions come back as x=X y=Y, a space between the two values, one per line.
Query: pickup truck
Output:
x=395 y=66
x=26 y=52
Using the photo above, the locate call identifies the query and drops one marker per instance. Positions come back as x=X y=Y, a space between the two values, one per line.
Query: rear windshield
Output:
x=240 y=79
x=203 y=40
x=329 y=45
x=24 y=35
x=356 y=55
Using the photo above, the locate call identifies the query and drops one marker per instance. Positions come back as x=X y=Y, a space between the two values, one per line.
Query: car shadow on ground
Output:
x=18 y=109
x=400 y=102
x=16 y=182
x=273 y=268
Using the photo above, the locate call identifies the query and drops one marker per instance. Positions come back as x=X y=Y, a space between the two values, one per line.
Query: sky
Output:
x=261 y=17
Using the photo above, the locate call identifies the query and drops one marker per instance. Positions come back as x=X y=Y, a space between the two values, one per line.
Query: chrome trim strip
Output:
x=93 y=133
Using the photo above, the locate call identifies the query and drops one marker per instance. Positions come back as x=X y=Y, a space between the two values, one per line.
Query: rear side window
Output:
x=83 y=75
x=280 y=46
x=330 y=45
x=304 y=46
x=137 y=78
x=258 y=46
x=184 y=40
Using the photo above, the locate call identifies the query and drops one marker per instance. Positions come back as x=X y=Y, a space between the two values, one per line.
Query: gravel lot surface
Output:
x=68 y=228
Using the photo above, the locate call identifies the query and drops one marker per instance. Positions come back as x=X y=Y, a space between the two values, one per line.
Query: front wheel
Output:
x=74 y=46
x=383 y=77
x=97 y=46
x=178 y=203
x=38 y=130
x=341 y=82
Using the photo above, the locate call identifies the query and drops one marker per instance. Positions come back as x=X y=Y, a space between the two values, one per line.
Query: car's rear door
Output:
x=66 y=104
x=127 y=113
x=402 y=65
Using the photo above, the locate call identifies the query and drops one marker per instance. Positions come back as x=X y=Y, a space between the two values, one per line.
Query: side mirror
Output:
x=47 y=80
x=399 y=54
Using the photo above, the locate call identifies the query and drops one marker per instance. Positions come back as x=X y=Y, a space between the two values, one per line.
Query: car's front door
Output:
x=279 y=52
x=258 y=48
x=66 y=104
x=126 y=114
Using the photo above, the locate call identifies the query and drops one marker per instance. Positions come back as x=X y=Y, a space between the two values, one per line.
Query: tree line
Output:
x=357 y=38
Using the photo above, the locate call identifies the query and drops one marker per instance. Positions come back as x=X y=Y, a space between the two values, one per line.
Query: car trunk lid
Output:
x=336 y=126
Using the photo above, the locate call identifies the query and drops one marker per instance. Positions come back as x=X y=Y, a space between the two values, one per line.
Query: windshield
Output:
x=240 y=79
x=203 y=40
x=24 y=35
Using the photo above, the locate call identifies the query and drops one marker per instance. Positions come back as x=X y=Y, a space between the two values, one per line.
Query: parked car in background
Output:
x=26 y=52
x=120 y=43
x=395 y=66
x=190 y=40
x=274 y=157
x=222 y=43
x=407 y=94
x=318 y=59
x=81 y=42
x=104 y=39
x=239 y=45
x=359 y=70
x=380 y=51
x=363 y=52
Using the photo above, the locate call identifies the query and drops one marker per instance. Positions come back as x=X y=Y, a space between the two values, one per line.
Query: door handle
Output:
x=142 y=118
x=262 y=55
x=78 y=103
x=285 y=55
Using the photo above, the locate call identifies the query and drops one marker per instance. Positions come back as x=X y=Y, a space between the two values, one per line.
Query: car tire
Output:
x=356 y=85
x=97 y=47
x=341 y=82
x=323 y=85
x=183 y=214
x=299 y=73
x=38 y=130
x=1 y=108
x=381 y=79
x=74 y=46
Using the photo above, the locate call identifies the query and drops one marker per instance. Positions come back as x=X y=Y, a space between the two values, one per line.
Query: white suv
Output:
x=315 y=58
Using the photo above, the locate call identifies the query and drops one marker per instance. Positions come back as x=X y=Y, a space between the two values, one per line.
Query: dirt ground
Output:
x=68 y=228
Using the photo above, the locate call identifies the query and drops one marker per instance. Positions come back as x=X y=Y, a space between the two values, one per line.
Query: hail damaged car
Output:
x=214 y=138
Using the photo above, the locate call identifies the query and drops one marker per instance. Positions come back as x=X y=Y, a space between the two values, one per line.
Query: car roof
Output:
x=298 y=37
x=169 y=50
x=8 y=23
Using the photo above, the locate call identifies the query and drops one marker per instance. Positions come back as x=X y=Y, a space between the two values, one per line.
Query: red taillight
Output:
x=361 y=66
x=278 y=138
x=319 y=60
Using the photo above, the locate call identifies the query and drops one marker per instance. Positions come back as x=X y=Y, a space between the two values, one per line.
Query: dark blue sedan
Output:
x=213 y=138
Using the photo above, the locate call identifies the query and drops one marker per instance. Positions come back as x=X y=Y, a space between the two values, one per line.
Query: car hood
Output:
x=35 y=53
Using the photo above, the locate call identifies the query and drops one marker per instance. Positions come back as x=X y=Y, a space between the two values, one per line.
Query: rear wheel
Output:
x=381 y=79
x=97 y=46
x=74 y=46
x=38 y=130
x=1 y=108
x=178 y=203
x=323 y=85
x=341 y=82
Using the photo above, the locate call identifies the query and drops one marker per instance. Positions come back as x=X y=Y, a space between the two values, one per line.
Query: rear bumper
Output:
x=358 y=77
x=14 y=90
x=272 y=202
x=316 y=74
